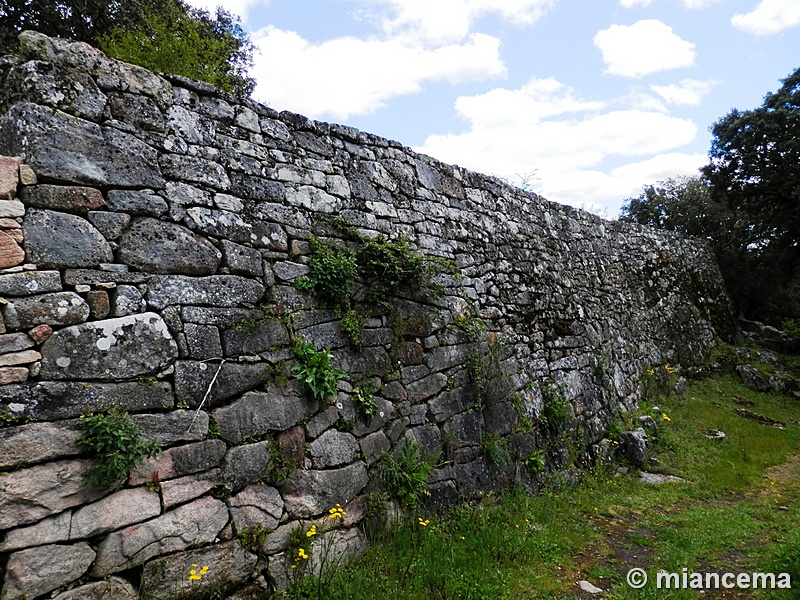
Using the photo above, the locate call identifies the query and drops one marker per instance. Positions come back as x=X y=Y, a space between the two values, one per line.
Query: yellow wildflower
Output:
x=301 y=553
x=337 y=512
x=424 y=522
x=311 y=532
x=665 y=417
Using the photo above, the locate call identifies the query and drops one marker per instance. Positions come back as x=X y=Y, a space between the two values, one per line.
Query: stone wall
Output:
x=151 y=234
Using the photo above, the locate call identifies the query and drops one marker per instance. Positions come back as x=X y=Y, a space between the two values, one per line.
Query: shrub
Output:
x=314 y=370
x=117 y=444
x=333 y=272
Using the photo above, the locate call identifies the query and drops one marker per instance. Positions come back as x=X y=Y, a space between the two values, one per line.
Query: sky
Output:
x=582 y=101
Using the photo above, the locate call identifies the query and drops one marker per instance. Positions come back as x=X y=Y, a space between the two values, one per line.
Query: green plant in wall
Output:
x=117 y=444
x=333 y=272
x=388 y=267
x=406 y=474
x=535 y=462
x=364 y=400
x=555 y=410
x=314 y=369
x=495 y=450
x=252 y=537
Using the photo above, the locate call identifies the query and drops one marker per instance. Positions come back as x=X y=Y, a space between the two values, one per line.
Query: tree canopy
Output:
x=162 y=35
x=746 y=204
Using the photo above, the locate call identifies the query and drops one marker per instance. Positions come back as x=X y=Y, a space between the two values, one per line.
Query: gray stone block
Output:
x=215 y=290
x=58 y=240
x=120 y=348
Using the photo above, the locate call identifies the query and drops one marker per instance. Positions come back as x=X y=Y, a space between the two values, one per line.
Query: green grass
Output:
x=738 y=511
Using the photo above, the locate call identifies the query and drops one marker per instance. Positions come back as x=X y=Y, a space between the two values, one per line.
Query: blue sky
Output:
x=583 y=101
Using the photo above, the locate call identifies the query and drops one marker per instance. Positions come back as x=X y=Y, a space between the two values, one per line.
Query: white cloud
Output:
x=235 y=7
x=699 y=3
x=769 y=17
x=689 y=92
x=351 y=76
x=544 y=127
x=445 y=21
x=646 y=47
x=634 y=3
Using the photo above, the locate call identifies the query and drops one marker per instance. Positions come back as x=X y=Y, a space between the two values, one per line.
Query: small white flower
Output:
x=339 y=405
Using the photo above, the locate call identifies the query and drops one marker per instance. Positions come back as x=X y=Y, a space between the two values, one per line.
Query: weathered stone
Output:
x=11 y=208
x=221 y=317
x=247 y=464
x=292 y=447
x=255 y=339
x=122 y=508
x=193 y=380
x=103 y=277
x=114 y=588
x=256 y=505
x=195 y=523
x=160 y=247
x=59 y=308
x=452 y=402
x=321 y=421
x=203 y=341
x=313 y=199
x=14 y=342
x=110 y=225
x=139 y=111
x=13 y=375
x=465 y=429
x=31 y=494
x=241 y=259
x=57 y=240
x=289 y=271
x=425 y=388
x=98 y=302
x=336 y=548
x=9 y=177
x=260 y=412
x=59 y=197
x=333 y=448
x=72 y=90
x=174 y=426
x=215 y=290
x=112 y=349
x=222 y=224
x=28 y=283
x=47 y=531
x=38 y=442
x=137 y=202
x=126 y=300
x=183 y=489
x=445 y=357
x=31 y=573
x=374 y=446
x=634 y=446
x=193 y=170
x=229 y=567
x=256 y=188
x=40 y=333
x=311 y=493
x=65 y=148
x=67 y=399
x=180 y=461
x=11 y=254
x=190 y=126
x=27 y=175
x=25 y=357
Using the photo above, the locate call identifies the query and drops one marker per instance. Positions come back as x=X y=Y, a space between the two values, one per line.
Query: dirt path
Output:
x=627 y=543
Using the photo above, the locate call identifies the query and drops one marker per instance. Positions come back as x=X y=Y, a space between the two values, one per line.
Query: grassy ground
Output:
x=738 y=511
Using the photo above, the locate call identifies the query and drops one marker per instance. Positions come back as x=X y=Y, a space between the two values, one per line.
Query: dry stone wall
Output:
x=152 y=231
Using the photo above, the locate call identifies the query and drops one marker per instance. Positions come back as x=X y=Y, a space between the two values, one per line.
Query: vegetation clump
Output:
x=117 y=444
x=314 y=369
